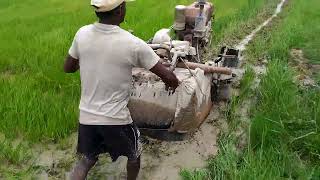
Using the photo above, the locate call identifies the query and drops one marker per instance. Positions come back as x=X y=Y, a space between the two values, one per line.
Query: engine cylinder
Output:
x=180 y=18
x=193 y=11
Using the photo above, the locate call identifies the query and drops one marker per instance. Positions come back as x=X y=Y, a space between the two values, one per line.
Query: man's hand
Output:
x=71 y=65
x=168 y=77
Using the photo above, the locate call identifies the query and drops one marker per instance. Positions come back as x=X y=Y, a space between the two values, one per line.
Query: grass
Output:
x=13 y=155
x=13 y=161
x=241 y=20
x=195 y=175
x=244 y=91
x=283 y=134
x=17 y=174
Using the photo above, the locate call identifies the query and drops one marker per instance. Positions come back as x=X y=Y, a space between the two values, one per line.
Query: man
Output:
x=105 y=55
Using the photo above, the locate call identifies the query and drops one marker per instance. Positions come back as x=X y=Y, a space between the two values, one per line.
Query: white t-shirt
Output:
x=107 y=55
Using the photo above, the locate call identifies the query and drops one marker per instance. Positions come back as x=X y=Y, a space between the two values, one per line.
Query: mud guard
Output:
x=152 y=107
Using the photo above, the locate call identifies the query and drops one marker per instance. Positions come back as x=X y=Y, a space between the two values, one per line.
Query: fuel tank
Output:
x=192 y=12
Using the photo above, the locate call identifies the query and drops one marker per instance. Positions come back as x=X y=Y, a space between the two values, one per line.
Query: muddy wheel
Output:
x=214 y=93
x=224 y=92
x=221 y=92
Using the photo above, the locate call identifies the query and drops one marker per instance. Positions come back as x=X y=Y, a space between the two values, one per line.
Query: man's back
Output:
x=107 y=55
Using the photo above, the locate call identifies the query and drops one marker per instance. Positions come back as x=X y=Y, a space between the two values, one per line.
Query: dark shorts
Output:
x=122 y=140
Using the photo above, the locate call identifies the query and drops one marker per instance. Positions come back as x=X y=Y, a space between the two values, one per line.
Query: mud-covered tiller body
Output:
x=167 y=115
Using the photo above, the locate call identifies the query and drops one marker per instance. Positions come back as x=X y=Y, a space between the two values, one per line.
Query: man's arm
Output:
x=71 y=65
x=168 y=77
x=146 y=58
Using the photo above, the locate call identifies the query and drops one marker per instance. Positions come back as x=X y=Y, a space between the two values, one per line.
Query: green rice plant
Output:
x=244 y=92
x=195 y=175
x=15 y=161
x=299 y=30
x=284 y=132
x=285 y=112
x=286 y=116
x=264 y=163
x=18 y=173
x=224 y=165
x=238 y=19
x=16 y=155
x=276 y=103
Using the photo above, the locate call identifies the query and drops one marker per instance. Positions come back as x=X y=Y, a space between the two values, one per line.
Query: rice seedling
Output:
x=13 y=154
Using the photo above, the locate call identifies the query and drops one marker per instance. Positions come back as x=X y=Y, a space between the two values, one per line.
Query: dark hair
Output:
x=105 y=15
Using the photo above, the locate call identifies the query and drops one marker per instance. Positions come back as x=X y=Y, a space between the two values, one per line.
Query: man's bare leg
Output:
x=80 y=171
x=133 y=168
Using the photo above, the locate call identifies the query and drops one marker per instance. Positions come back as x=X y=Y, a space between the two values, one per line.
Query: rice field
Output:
x=39 y=103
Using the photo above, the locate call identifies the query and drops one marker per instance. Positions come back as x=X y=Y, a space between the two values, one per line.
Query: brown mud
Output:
x=306 y=70
x=164 y=160
x=160 y=160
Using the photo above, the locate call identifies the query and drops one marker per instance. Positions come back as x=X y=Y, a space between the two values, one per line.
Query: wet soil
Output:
x=306 y=70
x=164 y=160
x=161 y=160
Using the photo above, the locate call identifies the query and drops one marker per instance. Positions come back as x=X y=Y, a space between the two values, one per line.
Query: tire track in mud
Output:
x=164 y=160
x=243 y=44
x=259 y=69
